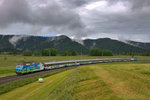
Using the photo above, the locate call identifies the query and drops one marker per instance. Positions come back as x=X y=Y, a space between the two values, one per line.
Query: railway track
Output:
x=17 y=77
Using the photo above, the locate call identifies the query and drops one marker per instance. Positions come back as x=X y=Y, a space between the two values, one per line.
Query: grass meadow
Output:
x=105 y=81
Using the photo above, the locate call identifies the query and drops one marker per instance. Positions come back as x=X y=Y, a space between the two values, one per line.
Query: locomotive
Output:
x=30 y=67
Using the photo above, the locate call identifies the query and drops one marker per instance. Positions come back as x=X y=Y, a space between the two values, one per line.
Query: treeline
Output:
x=54 y=52
x=135 y=54
x=49 y=52
x=99 y=52
x=44 y=52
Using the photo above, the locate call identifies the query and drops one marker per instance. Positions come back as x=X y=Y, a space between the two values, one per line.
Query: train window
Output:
x=19 y=66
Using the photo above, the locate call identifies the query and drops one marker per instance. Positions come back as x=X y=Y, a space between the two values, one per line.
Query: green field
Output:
x=8 y=62
x=109 y=81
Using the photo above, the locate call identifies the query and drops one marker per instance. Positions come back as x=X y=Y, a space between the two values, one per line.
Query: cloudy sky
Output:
x=78 y=19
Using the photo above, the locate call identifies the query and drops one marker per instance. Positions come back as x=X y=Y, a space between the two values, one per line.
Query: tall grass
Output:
x=71 y=87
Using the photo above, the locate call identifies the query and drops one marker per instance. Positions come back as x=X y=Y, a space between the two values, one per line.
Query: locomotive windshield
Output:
x=19 y=66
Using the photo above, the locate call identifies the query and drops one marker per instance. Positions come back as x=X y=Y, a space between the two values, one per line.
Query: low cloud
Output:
x=13 y=40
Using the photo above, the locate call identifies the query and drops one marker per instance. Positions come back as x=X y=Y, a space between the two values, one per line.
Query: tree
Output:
x=45 y=52
x=145 y=54
x=53 y=52
x=99 y=52
x=65 y=53
x=95 y=52
x=74 y=53
x=107 y=53
x=14 y=52
x=49 y=52
x=27 y=53
x=36 y=53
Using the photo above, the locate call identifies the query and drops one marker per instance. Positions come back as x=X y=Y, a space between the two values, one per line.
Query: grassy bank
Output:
x=109 y=81
x=18 y=83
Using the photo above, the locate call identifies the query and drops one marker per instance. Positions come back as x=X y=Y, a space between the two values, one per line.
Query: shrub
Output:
x=36 y=53
x=49 y=52
x=74 y=53
x=107 y=53
x=65 y=53
x=27 y=53
x=95 y=52
x=99 y=52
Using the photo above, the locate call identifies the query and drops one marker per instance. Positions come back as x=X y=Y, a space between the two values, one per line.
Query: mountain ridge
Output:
x=64 y=43
x=114 y=45
x=145 y=45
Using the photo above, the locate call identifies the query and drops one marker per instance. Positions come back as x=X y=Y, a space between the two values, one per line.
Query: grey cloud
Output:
x=140 y=3
x=133 y=22
x=62 y=17
x=76 y=3
x=120 y=23
x=52 y=15
x=14 y=11
x=133 y=4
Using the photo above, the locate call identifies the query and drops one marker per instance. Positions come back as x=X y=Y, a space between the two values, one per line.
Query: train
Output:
x=30 y=67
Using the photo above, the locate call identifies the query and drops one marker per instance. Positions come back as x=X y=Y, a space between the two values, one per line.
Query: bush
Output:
x=74 y=53
x=65 y=53
x=36 y=53
x=45 y=52
x=145 y=54
x=49 y=52
x=13 y=53
x=95 y=52
x=99 y=52
x=27 y=53
x=53 y=52
x=107 y=53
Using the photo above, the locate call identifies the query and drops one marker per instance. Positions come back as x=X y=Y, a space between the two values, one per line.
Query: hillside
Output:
x=20 y=43
x=62 y=43
x=114 y=45
x=140 y=44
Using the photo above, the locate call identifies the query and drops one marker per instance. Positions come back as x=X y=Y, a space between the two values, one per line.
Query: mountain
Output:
x=114 y=45
x=21 y=43
x=140 y=44
x=5 y=45
x=62 y=43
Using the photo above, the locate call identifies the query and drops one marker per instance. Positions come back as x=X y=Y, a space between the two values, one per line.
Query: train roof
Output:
x=28 y=63
x=71 y=61
x=83 y=60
